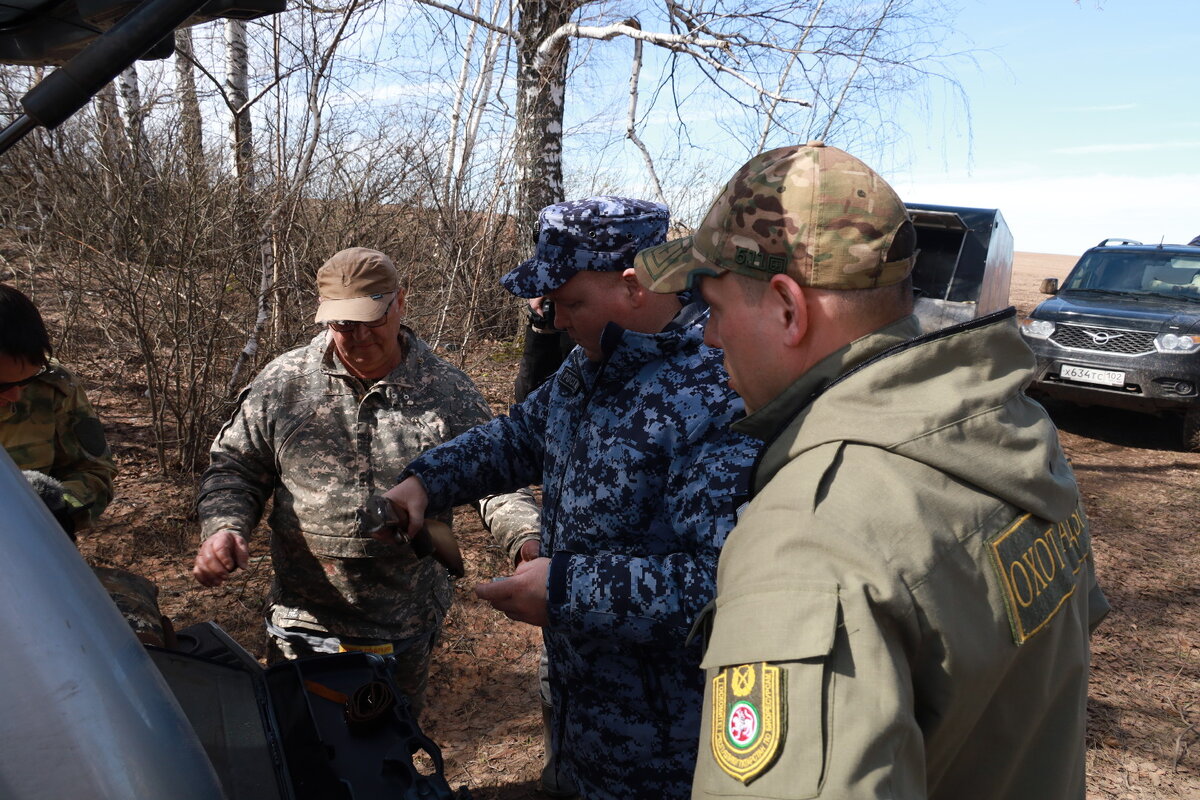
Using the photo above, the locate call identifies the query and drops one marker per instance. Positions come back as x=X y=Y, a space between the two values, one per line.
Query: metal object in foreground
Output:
x=84 y=712
x=435 y=538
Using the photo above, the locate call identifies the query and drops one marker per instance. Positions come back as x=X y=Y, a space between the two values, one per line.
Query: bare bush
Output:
x=166 y=267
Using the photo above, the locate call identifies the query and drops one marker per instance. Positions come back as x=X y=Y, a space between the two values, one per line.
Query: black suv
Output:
x=1124 y=331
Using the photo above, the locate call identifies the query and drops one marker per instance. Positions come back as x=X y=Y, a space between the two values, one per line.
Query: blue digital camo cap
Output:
x=601 y=234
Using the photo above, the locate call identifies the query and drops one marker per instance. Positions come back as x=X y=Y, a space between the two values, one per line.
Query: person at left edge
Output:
x=640 y=478
x=320 y=429
x=47 y=424
x=52 y=433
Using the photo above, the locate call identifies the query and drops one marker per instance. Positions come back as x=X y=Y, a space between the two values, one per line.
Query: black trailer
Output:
x=964 y=263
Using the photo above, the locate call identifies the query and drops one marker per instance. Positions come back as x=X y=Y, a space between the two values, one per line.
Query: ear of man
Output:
x=791 y=304
x=637 y=294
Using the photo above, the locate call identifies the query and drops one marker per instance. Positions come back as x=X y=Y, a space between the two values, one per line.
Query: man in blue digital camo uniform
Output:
x=630 y=442
x=903 y=609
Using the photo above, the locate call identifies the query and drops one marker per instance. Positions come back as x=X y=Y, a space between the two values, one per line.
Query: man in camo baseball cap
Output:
x=599 y=234
x=813 y=212
x=889 y=531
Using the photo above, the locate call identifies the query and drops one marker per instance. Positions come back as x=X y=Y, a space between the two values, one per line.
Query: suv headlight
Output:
x=1177 y=343
x=1037 y=328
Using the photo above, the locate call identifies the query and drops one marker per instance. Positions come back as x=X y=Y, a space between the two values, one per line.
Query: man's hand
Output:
x=221 y=554
x=409 y=498
x=530 y=549
x=523 y=595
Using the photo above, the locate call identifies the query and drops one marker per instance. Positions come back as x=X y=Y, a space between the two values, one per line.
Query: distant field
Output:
x=1027 y=274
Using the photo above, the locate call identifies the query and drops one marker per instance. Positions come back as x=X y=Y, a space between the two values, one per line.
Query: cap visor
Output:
x=354 y=309
x=673 y=267
x=532 y=278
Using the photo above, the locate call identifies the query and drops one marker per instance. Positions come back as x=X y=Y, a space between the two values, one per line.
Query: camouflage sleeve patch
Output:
x=90 y=434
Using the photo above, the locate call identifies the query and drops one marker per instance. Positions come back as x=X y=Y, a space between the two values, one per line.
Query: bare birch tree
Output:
x=192 y=131
x=237 y=97
x=111 y=137
x=135 y=113
x=799 y=68
x=318 y=75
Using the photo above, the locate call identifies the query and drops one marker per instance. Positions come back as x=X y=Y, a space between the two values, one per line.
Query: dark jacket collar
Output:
x=626 y=351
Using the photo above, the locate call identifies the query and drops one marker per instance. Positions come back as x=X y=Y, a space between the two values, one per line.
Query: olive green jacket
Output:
x=53 y=429
x=903 y=608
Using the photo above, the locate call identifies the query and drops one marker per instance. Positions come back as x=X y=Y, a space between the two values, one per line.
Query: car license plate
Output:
x=1103 y=377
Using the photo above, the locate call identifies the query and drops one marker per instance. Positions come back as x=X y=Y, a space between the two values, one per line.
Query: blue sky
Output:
x=1085 y=120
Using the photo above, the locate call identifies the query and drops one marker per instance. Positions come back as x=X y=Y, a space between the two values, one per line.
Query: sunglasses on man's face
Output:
x=4 y=387
x=347 y=326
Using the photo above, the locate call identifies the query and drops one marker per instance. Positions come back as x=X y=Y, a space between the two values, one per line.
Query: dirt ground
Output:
x=483 y=709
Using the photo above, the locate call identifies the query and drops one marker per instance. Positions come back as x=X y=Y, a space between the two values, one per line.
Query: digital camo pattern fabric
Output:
x=54 y=430
x=815 y=213
x=319 y=442
x=600 y=234
x=640 y=475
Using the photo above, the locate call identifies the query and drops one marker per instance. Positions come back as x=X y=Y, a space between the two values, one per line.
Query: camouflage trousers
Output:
x=409 y=657
x=137 y=600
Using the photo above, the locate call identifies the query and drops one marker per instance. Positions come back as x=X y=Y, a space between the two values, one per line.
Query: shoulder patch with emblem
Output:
x=1037 y=563
x=749 y=719
x=570 y=380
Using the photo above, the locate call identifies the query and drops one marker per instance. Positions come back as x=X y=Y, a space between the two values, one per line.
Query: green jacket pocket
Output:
x=765 y=701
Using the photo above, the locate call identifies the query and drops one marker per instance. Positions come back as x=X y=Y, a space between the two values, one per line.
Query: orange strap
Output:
x=324 y=691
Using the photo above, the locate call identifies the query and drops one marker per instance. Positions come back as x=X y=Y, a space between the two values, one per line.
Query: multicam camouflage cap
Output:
x=813 y=212
x=356 y=284
x=601 y=234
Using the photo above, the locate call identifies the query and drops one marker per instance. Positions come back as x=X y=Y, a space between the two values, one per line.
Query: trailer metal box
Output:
x=964 y=263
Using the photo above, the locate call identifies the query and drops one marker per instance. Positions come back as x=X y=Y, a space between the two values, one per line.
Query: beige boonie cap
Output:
x=356 y=285
x=813 y=212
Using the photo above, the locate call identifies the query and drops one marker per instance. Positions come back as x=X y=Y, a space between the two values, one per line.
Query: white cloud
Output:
x=1092 y=109
x=1125 y=147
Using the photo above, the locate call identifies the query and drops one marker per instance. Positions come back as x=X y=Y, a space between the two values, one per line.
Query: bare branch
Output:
x=857 y=66
x=609 y=32
x=630 y=126
x=478 y=20
x=688 y=44
x=769 y=122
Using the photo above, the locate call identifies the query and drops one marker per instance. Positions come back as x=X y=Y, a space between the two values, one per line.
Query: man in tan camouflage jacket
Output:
x=320 y=430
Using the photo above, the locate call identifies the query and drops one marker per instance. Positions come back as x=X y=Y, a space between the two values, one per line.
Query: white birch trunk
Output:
x=237 y=95
x=131 y=97
x=189 y=107
x=460 y=91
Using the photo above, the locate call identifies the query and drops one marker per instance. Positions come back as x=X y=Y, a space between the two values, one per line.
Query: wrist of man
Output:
x=214 y=525
x=518 y=545
x=557 y=578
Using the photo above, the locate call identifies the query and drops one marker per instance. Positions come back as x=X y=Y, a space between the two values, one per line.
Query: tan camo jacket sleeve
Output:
x=54 y=430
